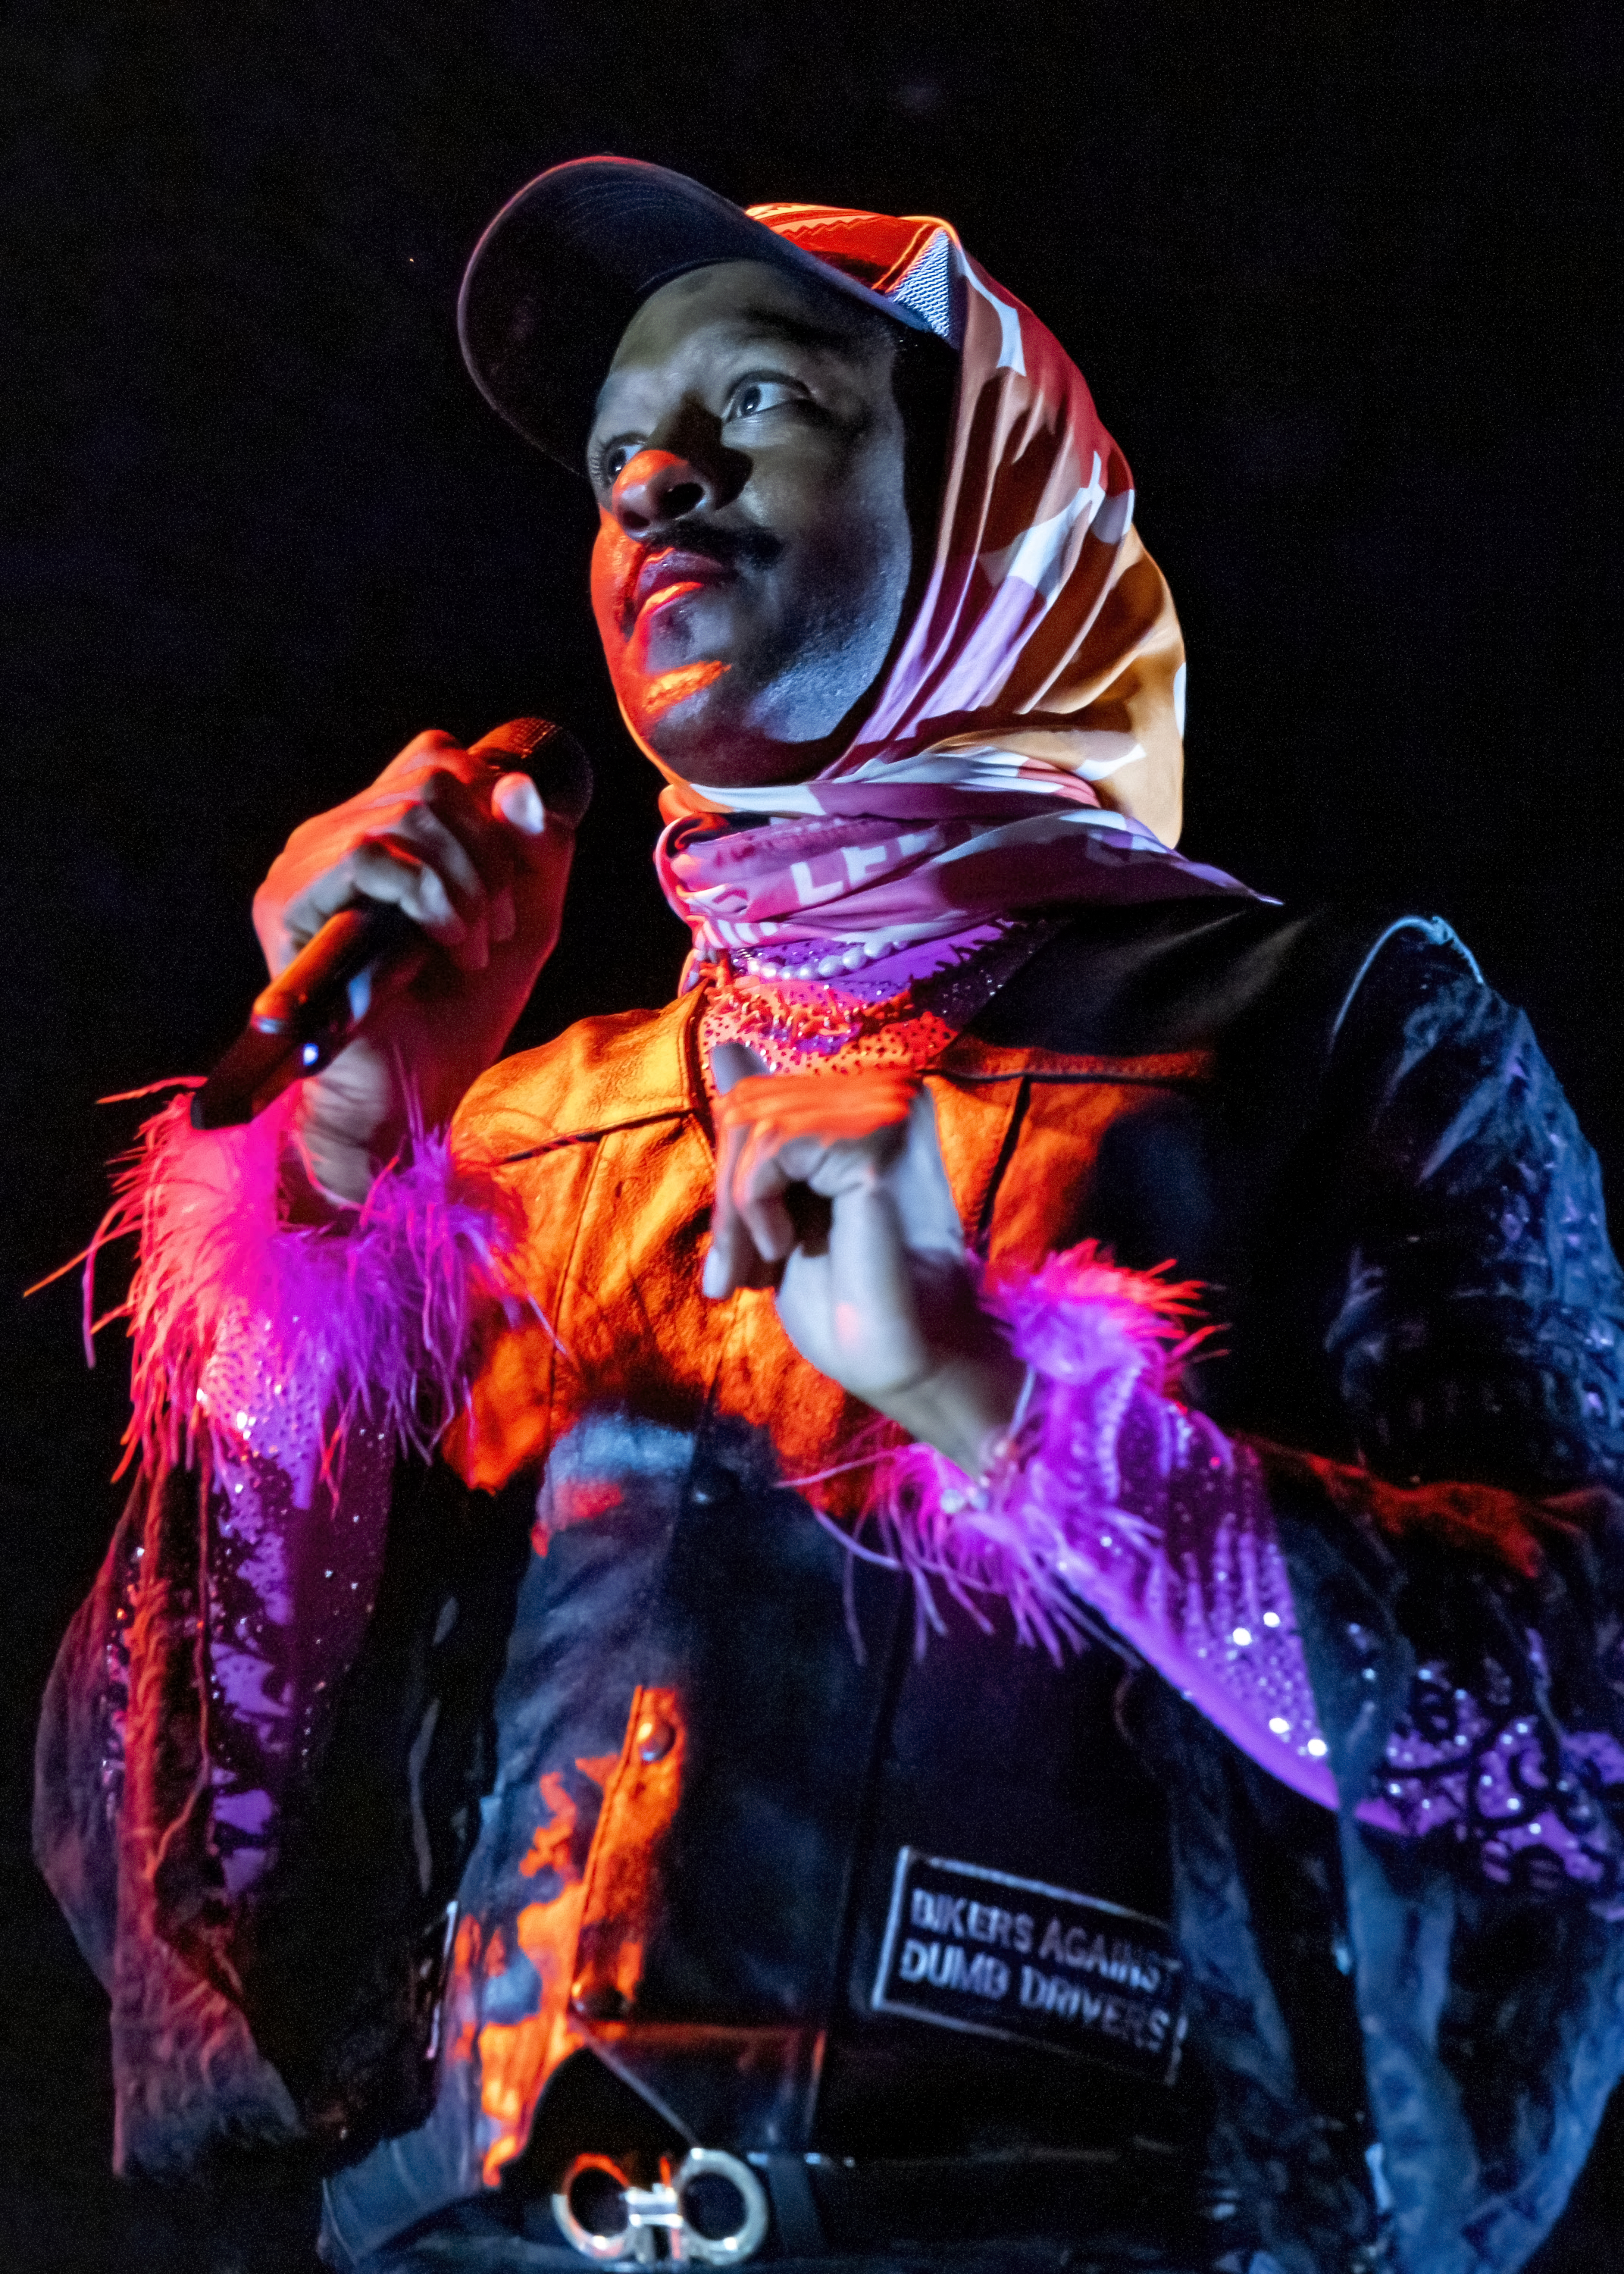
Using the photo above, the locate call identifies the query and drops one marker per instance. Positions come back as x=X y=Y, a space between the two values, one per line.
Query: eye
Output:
x=611 y=460
x=752 y=397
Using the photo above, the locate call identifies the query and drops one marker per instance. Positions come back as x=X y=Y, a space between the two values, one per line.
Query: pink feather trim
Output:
x=1111 y=1507
x=254 y=1335
x=1092 y=1335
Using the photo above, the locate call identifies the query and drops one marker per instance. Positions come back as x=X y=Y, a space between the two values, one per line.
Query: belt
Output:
x=715 y=2208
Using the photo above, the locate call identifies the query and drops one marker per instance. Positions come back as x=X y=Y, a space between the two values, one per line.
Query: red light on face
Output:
x=653 y=699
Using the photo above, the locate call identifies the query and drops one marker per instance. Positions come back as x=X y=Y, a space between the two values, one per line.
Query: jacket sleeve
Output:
x=1471 y=1686
x=1474 y=1335
x=288 y=1384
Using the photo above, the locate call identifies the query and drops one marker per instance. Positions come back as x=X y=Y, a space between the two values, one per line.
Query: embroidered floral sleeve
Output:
x=1495 y=1767
x=1506 y=1741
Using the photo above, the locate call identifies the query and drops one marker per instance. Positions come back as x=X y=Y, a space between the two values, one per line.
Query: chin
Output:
x=680 y=717
x=704 y=722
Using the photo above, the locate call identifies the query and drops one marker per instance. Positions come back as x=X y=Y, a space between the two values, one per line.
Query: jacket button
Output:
x=598 y=2001
x=655 y=1738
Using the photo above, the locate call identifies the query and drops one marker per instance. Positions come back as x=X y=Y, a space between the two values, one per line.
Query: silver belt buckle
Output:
x=650 y=2211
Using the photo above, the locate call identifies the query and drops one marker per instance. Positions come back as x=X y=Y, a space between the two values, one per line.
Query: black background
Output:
x=1339 y=273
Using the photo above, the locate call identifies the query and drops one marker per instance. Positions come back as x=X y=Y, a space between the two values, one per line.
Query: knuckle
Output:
x=380 y=856
x=416 y=824
x=439 y=788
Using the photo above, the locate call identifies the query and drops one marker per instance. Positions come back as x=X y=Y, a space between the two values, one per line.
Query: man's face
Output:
x=754 y=552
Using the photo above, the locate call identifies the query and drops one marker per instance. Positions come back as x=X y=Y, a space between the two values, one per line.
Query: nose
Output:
x=656 y=488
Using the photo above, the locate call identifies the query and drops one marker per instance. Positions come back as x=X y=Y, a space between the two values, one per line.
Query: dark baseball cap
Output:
x=566 y=263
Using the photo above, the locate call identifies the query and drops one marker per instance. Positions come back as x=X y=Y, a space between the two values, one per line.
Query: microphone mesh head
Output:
x=552 y=758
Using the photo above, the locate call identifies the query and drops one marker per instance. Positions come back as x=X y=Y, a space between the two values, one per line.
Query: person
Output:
x=955 y=1601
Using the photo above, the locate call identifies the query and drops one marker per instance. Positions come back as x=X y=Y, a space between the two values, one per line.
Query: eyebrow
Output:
x=750 y=323
x=798 y=330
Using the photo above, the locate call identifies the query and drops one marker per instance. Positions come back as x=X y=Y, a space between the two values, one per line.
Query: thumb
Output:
x=515 y=800
x=550 y=797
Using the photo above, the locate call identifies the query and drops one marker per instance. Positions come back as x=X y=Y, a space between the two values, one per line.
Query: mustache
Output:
x=731 y=549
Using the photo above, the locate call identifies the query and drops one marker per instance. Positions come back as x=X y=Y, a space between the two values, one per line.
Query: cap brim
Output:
x=566 y=265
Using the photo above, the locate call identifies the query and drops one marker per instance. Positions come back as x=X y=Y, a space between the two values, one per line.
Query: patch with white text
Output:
x=973 y=1949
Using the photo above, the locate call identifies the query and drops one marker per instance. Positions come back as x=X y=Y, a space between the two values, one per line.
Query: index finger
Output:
x=434 y=748
x=733 y=1259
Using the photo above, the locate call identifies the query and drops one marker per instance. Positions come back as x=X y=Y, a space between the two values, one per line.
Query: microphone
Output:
x=363 y=955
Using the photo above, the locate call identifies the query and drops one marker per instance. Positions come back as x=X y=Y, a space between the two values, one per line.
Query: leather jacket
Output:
x=639 y=1777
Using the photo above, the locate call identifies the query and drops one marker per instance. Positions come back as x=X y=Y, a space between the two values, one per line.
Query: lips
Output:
x=665 y=575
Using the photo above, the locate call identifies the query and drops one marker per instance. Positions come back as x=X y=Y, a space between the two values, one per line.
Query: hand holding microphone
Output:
x=453 y=849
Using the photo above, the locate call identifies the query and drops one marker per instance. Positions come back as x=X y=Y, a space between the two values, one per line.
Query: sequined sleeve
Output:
x=281 y=1373
x=1113 y=1507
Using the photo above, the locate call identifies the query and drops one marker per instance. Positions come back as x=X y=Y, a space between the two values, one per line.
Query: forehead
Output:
x=710 y=312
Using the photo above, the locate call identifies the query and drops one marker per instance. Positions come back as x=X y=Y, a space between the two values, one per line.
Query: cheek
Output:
x=854 y=557
x=612 y=554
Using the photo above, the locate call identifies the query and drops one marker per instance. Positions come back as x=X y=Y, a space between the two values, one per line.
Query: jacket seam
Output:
x=1112 y=1078
x=591 y=1136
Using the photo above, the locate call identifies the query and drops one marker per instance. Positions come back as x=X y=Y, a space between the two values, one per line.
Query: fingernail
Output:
x=714 y=1280
x=518 y=801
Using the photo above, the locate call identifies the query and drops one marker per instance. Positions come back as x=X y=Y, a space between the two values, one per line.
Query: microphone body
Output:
x=363 y=955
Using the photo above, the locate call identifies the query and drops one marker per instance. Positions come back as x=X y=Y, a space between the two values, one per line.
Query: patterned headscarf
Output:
x=1025 y=748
